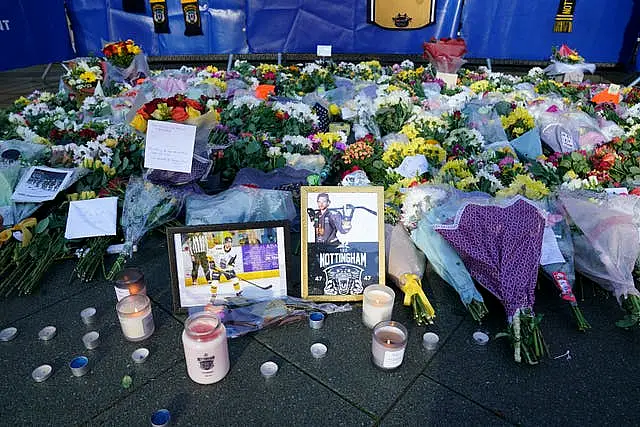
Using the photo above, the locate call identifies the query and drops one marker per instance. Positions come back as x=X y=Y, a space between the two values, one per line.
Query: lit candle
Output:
x=377 y=304
x=136 y=319
x=130 y=281
x=388 y=344
x=205 y=348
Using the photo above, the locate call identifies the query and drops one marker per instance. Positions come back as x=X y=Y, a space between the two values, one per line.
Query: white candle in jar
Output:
x=388 y=344
x=136 y=319
x=205 y=348
x=377 y=304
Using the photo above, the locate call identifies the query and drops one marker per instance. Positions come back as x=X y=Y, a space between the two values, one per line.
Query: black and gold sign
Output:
x=564 y=17
x=160 y=16
x=192 y=23
x=402 y=14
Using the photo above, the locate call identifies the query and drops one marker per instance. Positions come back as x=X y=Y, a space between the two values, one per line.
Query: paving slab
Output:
x=242 y=398
x=596 y=385
x=429 y=403
x=347 y=368
x=64 y=399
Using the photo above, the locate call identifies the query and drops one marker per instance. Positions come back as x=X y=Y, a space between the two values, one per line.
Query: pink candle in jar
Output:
x=205 y=348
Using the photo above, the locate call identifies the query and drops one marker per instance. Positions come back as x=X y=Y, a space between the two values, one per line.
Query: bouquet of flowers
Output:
x=392 y=108
x=146 y=206
x=445 y=54
x=517 y=123
x=83 y=75
x=127 y=61
x=405 y=265
x=565 y=60
x=500 y=243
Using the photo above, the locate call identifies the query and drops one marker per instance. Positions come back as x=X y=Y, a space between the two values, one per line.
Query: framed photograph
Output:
x=342 y=237
x=210 y=263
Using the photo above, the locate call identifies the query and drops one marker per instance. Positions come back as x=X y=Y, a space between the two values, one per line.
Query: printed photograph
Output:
x=211 y=266
x=342 y=240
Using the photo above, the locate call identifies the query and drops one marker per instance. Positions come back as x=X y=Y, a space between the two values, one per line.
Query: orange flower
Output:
x=193 y=104
x=179 y=114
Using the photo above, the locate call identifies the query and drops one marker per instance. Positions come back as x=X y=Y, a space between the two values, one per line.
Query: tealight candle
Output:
x=388 y=344
x=377 y=304
x=205 y=348
x=88 y=315
x=130 y=281
x=136 y=319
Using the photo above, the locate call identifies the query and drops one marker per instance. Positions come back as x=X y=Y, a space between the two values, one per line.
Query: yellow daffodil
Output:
x=139 y=123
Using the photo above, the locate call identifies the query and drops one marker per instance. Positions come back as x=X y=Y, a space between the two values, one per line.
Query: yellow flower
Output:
x=334 y=110
x=480 y=86
x=192 y=112
x=409 y=130
x=136 y=50
x=139 y=123
x=88 y=76
x=111 y=142
x=570 y=175
x=525 y=186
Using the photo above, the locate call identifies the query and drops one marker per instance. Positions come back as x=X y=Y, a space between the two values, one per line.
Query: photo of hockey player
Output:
x=342 y=241
x=222 y=263
x=211 y=265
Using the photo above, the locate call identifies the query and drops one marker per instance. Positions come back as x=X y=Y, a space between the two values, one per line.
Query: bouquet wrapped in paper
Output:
x=445 y=54
x=500 y=242
x=405 y=265
x=606 y=243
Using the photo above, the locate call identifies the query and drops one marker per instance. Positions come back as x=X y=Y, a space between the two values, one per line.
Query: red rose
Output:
x=179 y=114
x=194 y=104
x=635 y=191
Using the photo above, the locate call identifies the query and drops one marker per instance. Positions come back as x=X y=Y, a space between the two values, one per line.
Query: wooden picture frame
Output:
x=248 y=259
x=342 y=241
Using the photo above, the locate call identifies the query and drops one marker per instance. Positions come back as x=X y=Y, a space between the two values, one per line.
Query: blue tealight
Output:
x=317 y=316
x=160 y=418
x=78 y=362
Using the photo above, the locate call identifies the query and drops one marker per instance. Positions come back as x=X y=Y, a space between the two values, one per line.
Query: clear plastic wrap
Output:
x=405 y=265
x=607 y=244
x=485 y=119
x=557 y=67
x=139 y=68
x=240 y=204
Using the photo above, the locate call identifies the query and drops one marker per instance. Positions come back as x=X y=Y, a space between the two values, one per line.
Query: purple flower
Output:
x=507 y=161
x=340 y=146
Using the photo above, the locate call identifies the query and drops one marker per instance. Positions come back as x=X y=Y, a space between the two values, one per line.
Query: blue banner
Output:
x=98 y=21
x=33 y=32
x=523 y=30
x=298 y=26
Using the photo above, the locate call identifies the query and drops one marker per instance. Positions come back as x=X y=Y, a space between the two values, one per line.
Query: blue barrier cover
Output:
x=33 y=32
x=520 y=29
x=97 y=21
x=298 y=26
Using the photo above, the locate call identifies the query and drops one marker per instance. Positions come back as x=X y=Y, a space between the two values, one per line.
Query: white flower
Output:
x=535 y=72
x=248 y=100
x=297 y=110
x=298 y=140
x=417 y=201
x=274 y=152
x=407 y=65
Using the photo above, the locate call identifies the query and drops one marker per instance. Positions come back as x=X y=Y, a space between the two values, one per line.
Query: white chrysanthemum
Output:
x=417 y=201
x=311 y=67
x=248 y=100
x=297 y=110
x=297 y=140
x=274 y=152
x=407 y=65
x=495 y=182
x=535 y=72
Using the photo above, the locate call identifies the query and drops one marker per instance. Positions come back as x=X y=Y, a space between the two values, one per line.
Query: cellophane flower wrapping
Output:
x=439 y=206
x=146 y=206
x=139 y=68
x=405 y=265
x=445 y=54
x=605 y=238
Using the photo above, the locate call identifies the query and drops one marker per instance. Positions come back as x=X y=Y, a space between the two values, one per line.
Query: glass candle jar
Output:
x=136 y=319
x=130 y=281
x=388 y=344
x=205 y=348
x=377 y=304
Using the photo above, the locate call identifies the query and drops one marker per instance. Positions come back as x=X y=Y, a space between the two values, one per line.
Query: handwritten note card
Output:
x=412 y=166
x=323 y=50
x=90 y=218
x=169 y=146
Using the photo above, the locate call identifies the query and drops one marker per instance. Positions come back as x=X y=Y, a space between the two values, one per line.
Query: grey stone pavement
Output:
x=460 y=383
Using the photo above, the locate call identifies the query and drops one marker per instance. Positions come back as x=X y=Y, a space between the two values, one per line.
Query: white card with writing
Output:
x=323 y=50
x=451 y=79
x=169 y=146
x=618 y=190
x=550 y=251
x=413 y=165
x=90 y=218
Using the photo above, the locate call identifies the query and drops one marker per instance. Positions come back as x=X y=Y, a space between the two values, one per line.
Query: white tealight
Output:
x=41 y=373
x=269 y=369
x=47 y=333
x=8 y=334
x=140 y=355
x=318 y=350
x=480 y=338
